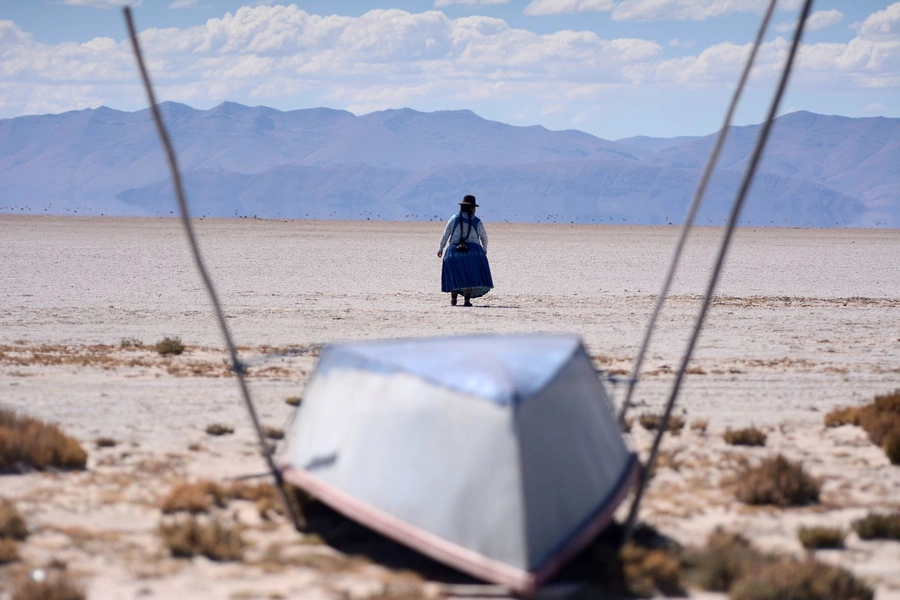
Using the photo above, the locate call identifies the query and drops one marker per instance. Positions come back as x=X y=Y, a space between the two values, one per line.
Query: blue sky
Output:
x=614 y=68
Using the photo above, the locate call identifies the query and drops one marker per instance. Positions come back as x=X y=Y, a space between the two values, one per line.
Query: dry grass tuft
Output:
x=169 y=346
x=12 y=525
x=105 y=442
x=876 y=526
x=850 y=415
x=55 y=587
x=200 y=497
x=293 y=400
x=750 y=436
x=700 y=425
x=273 y=433
x=818 y=538
x=28 y=442
x=807 y=580
x=193 y=498
x=652 y=422
x=648 y=571
x=880 y=419
x=724 y=560
x=219 y=429
x=777 y=481
x=891 y=447
x=213 y=539
x=130 y=342
x=9 y=551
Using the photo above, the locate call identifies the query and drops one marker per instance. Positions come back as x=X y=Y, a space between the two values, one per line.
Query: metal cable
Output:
x=692 y=212
x=237 y=367
x=720 y=261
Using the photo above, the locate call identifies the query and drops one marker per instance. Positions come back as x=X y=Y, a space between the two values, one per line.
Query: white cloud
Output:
x=874 y=108
x=677 y=43
x=883 y=25
x=103 y=3
x=183 y=4
x=559 y=7
x=817 y=20
x=689 y=10
x=283 y=56
x=445 y=3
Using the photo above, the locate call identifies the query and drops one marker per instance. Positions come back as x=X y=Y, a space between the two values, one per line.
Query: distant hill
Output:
x=654 y=144
x=404 y=164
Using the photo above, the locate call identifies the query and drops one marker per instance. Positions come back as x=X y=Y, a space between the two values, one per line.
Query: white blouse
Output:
x=477 y=235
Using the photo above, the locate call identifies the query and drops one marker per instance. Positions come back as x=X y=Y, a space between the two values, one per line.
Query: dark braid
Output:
x=462 y=224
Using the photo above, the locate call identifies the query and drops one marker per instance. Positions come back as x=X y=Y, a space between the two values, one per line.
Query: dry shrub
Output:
x=169 y=346
x=293 y=400
x=891 y=447
x=652 y=422
x=880 y=420
x=130 y=342
x=724 y=560
x=749 y=436
x=25 y=441
x=850 y=415
x=700 y=425
x=807 y=580
x=12 y=525
x=817 y=538
x=200 y=497
x=649 y=570
x=188 y=497
x=56 y=587
x=105 y=442
x=777 y=481
x=213 y=539
x=9 y=551
x=876 y=526
x=219 y=429
x=273 y=433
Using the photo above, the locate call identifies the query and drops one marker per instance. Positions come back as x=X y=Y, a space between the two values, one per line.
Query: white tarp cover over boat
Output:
x=498 y=455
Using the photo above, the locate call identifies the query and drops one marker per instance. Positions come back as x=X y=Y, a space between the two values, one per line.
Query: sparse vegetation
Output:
x=169 y=346
x=650 y=570
x=188 y=497
x=819 y=538
x=293 y=400
x=130 y=342
x=12 y=525
x=880 y=419
x=29 y=442
x=55 y=587
x=700 y=425
x=875 y=526
x=219 y=429
x=188 y=537
x=777 y=481
x=807 y=580
x=105 y=442
x=9 y=551
x=729 y=563
x=273 y=433
x=201 y=496
x=724 y=560
x=749 y=436
x=652 y=422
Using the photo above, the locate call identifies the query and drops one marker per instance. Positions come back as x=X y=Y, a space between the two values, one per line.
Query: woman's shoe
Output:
x=467 y=303
x=453 y=296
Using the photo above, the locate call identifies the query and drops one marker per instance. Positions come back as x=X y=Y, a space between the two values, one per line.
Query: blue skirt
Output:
x=466 y=271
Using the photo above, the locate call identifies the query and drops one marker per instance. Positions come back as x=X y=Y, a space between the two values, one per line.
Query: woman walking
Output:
x=465 y=265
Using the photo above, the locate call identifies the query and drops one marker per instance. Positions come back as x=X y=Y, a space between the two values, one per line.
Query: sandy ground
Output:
x=805 y=320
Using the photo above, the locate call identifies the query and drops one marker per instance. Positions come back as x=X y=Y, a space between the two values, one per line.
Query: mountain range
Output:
x=407 y=165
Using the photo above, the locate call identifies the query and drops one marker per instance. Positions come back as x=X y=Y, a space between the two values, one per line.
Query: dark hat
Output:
x=468 y=200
